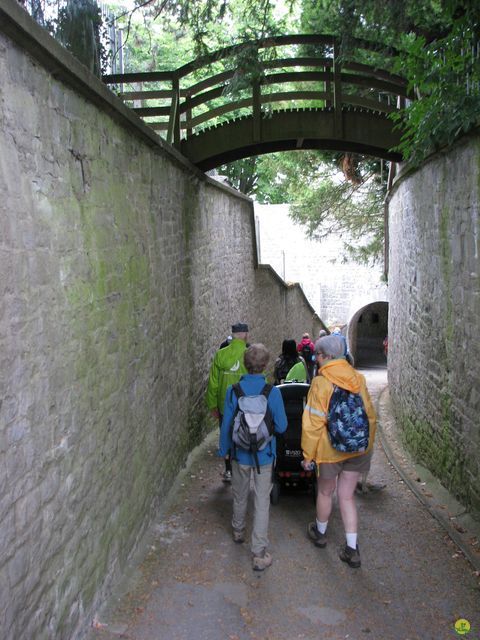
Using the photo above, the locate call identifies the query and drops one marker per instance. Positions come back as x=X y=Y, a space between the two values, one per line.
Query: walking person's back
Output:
x=227 y=368
x=338 y=432
x=306 y=349
x=254 y=461
x=285 y=361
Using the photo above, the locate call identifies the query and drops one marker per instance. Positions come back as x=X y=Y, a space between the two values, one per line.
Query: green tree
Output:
x=78 y=29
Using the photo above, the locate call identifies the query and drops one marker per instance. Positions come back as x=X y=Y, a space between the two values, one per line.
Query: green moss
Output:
x=438 y=450
x=446 y=265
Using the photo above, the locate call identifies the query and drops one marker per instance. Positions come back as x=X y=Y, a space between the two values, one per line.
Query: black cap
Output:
x=240 y=327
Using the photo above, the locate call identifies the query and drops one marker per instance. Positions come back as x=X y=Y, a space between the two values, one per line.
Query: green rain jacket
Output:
x=227 y=368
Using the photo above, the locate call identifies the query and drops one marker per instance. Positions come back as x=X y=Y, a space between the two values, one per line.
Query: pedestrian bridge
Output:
x=275 y=94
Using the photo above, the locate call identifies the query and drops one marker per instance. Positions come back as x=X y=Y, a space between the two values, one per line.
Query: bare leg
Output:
x=325 y=489
x=347 y=482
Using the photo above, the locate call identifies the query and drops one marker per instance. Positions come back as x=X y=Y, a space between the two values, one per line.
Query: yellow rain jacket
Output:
x=315 y=441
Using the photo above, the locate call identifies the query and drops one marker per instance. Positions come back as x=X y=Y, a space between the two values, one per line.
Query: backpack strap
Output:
x=237 y=389
x=268 y=415
x=266 y=389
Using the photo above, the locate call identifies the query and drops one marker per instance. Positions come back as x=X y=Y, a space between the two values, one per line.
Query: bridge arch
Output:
x=293 y=102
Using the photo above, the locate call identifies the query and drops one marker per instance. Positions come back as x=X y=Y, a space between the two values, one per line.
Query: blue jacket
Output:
x=252 y=384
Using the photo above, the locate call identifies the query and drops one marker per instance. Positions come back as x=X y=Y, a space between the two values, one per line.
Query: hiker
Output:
x=306 y=349
x=335 y=468
x=226 y=369
x=285 y=361
x=299 y=372
x=245 y=463
x=346 y=353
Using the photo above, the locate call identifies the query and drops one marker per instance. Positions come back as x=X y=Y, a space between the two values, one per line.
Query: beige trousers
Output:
x=262 y=485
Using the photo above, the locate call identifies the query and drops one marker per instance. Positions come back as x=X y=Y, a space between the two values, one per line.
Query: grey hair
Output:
x=330 y=346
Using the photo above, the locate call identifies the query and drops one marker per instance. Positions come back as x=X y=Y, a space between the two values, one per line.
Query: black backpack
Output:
x=283 y=367
x=307 y=353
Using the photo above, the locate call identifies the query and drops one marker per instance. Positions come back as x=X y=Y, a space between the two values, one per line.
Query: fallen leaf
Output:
x=98 y=625
x=246 y=615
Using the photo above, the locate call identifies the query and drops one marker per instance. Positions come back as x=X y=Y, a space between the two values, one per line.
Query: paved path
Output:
x=196 y=584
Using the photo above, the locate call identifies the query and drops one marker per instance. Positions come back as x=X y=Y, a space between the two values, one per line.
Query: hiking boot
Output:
x=227 y=476
x=350 y=556
x=261 y=562
x=238 y=536
x=318 y=539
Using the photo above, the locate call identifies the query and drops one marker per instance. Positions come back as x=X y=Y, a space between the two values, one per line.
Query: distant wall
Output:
x=434 y=316
x=335 y=289
x=121 y=271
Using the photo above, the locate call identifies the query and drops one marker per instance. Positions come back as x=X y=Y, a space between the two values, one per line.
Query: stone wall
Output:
x=335 y=289
x=434 y=326
x=121 y=270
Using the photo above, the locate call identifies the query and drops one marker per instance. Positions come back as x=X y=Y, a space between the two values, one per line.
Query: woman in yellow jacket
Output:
x=335 y=469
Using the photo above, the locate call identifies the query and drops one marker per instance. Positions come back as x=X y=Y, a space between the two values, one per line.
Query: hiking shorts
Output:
x=329 y=470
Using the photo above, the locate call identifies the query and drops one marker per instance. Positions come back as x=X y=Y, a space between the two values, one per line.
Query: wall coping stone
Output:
x=22 y=29
x=407 y=170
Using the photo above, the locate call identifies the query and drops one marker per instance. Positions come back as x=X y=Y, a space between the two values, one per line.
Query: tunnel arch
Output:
x=366 y=331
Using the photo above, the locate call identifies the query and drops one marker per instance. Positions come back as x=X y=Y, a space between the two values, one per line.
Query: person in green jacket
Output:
x=298 y=373
x=227 y=368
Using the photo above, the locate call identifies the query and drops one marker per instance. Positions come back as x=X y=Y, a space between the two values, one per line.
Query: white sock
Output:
x=322 y=526
x=352 y=540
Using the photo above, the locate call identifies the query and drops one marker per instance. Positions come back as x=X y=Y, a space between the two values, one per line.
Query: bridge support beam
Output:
x=337 y=93
x=257 y=111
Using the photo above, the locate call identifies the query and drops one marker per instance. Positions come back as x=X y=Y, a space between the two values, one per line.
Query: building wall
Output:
x=434 y=326
x=335 y=289
x=121 y=270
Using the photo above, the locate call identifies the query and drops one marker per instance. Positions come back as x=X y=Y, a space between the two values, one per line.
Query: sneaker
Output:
x=238 y=536
x=261 y=562
x=319 y=539
x=227 y=476
x=350 y=556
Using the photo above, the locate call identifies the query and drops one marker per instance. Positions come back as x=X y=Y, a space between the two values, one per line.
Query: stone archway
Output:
x=366 y=331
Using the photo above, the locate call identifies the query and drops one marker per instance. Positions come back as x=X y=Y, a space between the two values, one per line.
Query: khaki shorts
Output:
x=329 y=470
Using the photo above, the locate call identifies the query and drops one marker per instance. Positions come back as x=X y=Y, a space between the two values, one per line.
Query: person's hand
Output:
x=308 y=465
x=215 y=413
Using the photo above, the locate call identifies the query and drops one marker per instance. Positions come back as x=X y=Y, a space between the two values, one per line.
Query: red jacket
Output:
x=305 y=342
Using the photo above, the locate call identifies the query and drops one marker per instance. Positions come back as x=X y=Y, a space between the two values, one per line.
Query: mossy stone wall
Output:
x=434 y=315
x=122 y=269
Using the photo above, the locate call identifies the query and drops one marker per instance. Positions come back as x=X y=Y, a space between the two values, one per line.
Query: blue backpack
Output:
x=348 y=425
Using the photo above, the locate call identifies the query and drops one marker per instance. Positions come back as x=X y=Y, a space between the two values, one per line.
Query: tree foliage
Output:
x=78 y=29
x=445 y=74
x=438 y=44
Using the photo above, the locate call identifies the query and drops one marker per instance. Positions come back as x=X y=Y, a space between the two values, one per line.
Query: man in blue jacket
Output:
x=243 y=463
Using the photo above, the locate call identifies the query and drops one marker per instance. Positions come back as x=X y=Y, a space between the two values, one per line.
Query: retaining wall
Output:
x=121 y=270
x=434 y=326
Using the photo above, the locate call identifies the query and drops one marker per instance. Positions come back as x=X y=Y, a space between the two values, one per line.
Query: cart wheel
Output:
x=275 y=493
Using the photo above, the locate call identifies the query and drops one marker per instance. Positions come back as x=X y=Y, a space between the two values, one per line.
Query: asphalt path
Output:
x=194 y=583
